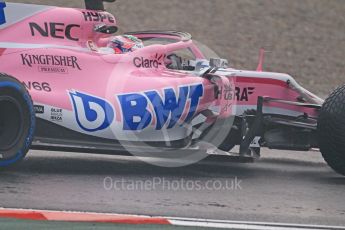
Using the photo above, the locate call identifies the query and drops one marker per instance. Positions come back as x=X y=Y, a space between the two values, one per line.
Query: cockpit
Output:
x=180 y=51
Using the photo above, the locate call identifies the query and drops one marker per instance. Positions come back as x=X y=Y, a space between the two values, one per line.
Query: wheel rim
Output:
x=11 y=124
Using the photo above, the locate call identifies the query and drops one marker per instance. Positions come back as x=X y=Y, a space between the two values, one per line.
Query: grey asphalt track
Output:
x=288 y=187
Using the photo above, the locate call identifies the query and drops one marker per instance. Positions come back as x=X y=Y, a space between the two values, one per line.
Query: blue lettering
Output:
x=170 y=106
x=92 y=113
x=195 y=93
x=167 y=109
x=2 y=13
x=135 y=113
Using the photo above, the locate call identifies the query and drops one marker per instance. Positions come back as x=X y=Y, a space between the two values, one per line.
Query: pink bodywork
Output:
x=107 y=75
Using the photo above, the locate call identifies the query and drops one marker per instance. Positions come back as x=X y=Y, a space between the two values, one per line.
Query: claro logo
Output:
x=54 y=30
x=141 y=62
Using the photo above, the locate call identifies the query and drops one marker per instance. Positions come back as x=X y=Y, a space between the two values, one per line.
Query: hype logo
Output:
x=2 y=13
x=92 y=113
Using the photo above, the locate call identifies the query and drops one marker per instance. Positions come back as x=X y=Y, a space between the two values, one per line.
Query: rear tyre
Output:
x=17 y=121
x=331 y=130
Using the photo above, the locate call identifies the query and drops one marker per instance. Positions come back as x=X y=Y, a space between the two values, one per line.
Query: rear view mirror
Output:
x=219 y=63
x=104 y=29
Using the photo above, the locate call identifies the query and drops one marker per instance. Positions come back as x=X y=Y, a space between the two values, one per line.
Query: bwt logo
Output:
x=2 y=13
x=92 y=113
x=95 y=114
x=168 y=109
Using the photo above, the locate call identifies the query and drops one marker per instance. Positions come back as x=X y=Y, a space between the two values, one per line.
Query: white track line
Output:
x=246 y=224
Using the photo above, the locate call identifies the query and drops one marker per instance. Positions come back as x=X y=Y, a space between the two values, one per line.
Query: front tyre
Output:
x=331 y=130
x=17 y=121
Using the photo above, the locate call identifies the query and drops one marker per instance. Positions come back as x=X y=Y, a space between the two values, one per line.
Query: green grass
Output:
x=15 y=224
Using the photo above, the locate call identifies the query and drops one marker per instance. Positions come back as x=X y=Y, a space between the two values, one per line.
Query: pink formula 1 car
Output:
x=67 y=83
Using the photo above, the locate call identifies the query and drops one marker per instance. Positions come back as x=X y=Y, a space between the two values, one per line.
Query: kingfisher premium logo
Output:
x=51 y=63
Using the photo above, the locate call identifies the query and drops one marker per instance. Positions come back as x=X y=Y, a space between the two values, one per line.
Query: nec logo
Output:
x=54 y=30
x=2 y=13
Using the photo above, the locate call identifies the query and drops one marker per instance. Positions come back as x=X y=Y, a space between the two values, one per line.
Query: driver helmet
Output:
x=125 y=43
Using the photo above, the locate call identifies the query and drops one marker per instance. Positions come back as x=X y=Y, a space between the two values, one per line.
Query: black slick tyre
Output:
x=17 y=121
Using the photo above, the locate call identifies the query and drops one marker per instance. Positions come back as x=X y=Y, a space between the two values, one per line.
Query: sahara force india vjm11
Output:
x=67 y=83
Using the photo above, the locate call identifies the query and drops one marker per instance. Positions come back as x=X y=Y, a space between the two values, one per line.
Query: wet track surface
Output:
x=282 y=186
